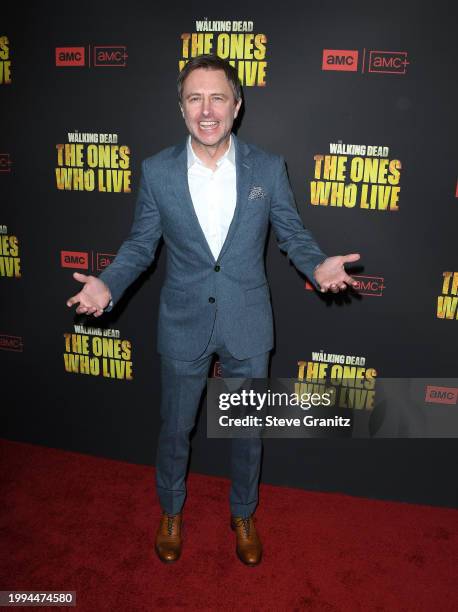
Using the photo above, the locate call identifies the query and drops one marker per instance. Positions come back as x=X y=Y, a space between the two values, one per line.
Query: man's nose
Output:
x=206 y=106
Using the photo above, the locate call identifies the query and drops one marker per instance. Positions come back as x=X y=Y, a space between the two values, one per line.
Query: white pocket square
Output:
x=256 y=193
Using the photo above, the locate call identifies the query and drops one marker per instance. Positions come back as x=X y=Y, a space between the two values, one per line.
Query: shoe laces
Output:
x=170 y=520
x=245 y=523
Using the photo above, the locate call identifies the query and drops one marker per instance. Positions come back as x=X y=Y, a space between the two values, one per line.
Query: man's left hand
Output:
x=331 y=275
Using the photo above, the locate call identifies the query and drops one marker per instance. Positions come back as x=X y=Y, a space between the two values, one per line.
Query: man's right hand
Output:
x=93 y=298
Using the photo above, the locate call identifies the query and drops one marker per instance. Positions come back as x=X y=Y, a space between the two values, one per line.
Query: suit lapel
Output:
x=243 y=181
x=179 y=180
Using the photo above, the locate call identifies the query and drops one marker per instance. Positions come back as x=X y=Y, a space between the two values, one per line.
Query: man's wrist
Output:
x=318 y=265
x=109 y=306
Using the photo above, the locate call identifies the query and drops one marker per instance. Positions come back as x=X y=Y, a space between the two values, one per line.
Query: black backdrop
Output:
x=407 y=104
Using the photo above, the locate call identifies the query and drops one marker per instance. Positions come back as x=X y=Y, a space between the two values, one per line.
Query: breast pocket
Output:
x=256 y=214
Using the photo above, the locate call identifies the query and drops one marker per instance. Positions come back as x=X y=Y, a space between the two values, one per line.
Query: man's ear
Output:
x=181 y=108
x=237 y=108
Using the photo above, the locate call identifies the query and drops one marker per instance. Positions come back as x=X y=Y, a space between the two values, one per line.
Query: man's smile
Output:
x=208 y=125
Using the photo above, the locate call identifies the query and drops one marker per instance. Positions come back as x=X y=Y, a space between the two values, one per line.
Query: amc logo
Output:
x=104 y=260
x=74 y=259
x=370 y=285
x=334 y=59
x=70 y=56
x=110 y=56
x=5 y=162
x=367 y=285
x=388 y=62
x=80 y=260
x=441 y=395
x=11 y=343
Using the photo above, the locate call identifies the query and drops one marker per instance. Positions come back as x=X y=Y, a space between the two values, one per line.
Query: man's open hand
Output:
x=93 y=298
x=331 y=275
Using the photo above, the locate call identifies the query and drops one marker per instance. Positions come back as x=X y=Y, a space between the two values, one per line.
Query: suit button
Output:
x=211 y=300
x=217 y=268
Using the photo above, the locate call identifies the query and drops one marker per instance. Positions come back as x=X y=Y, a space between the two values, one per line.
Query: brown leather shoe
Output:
x=168 y=537
x=249 y=547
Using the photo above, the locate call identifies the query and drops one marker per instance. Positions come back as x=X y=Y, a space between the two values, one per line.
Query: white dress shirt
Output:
x=214 y=195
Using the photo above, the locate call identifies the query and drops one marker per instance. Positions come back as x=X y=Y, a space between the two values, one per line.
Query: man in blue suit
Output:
x=211 y=198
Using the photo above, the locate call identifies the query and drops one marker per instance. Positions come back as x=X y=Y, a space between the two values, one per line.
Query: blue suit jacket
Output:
x=196 y=285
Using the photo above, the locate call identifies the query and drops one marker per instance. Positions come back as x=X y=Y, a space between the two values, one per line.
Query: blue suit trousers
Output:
x=183 y=383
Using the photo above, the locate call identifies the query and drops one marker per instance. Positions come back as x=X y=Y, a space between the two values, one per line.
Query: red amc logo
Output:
x=110 y=56
x=367 y=285
x=5 y=162
x=388 y=62
x=334 y=59
x=11 y=343
x=70 y=56
x=74 y=259
x=104 y=260
x=441 y=395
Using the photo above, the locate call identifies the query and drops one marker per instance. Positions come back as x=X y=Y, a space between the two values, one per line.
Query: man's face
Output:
x=209 y=107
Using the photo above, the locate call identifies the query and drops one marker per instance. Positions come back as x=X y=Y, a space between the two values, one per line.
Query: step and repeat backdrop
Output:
x=360 y=100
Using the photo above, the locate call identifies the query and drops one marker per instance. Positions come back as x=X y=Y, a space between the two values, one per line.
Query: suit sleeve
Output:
x=296 y=241
x=138 y=250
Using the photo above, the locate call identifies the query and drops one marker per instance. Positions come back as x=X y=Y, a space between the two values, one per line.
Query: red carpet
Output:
x=85 y=524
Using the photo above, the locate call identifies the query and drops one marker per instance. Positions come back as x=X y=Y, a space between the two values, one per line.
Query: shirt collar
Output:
x=229 y=154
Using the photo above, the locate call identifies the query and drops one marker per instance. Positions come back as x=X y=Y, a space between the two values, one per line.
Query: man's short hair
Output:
x=210 y=62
